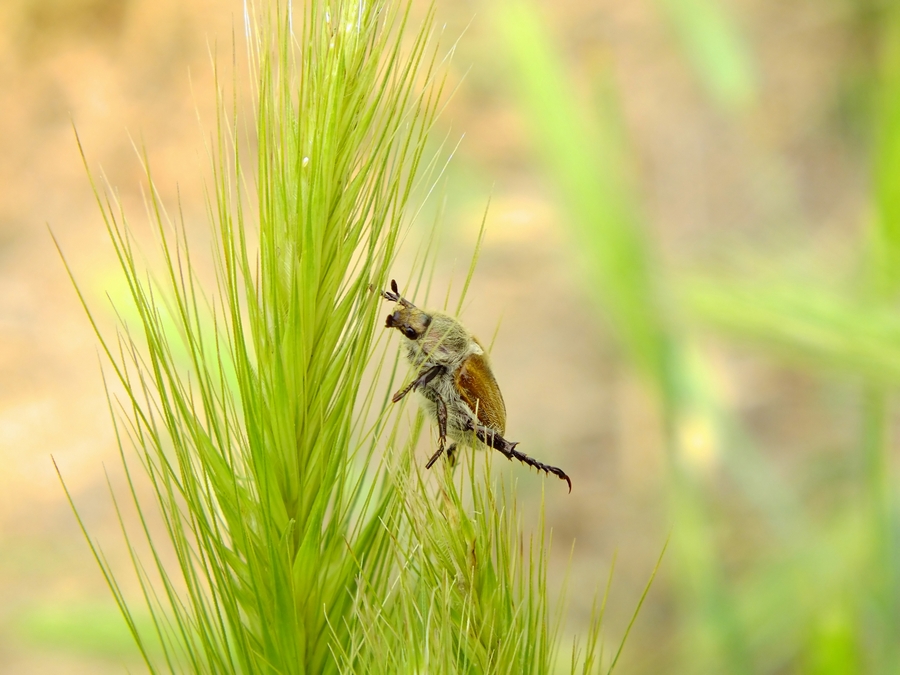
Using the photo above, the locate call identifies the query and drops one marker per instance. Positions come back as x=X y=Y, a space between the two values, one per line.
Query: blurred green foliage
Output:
x=715 y=50
x=821 y=595
x=92 y=629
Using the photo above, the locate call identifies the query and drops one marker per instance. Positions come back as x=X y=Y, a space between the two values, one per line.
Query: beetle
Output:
x=456 y=383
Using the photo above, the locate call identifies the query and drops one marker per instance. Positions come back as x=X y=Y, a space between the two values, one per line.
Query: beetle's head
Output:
x=411 y=321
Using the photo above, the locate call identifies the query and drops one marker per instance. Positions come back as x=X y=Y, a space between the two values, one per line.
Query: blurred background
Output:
x=690 y=277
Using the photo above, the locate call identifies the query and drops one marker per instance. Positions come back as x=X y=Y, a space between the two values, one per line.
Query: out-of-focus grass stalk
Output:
x=583 y=159
x=803 y=323
x=884 y=250
x=716 y=50
x=583 y=156
x=884 y=268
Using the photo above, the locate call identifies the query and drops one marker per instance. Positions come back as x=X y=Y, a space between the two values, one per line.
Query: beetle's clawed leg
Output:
x=425 y=376
x=442 y=431
x=496 y=441
x=394 y=295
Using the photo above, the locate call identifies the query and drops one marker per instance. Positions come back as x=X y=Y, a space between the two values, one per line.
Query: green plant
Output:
x=266 y=480
x=304 y=541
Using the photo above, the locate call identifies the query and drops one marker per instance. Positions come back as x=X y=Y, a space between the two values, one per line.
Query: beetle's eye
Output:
x=410 y=333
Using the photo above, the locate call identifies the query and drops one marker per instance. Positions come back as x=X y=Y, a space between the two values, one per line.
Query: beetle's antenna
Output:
x=394 y=295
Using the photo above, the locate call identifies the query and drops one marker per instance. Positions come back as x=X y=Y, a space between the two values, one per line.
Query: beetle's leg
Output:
x=451 y=454
x=426 y=376
x=442 y=429
x=496 y=441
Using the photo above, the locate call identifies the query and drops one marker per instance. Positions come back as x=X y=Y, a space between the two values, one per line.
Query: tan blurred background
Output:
x=785 y=175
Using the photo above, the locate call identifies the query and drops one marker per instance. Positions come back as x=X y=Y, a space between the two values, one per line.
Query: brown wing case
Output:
x=478 y=388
